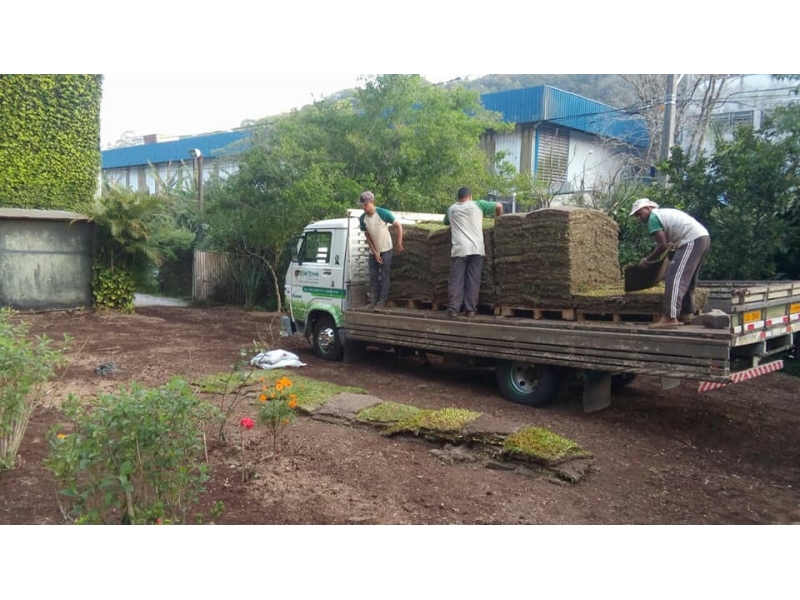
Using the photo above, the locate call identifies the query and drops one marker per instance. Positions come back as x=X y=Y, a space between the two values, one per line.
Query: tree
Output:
x=411 y=143
x=744 y=194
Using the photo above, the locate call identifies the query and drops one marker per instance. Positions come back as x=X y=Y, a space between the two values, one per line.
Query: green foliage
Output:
x=133 y=456
x=411 y=143
x=746 y=195
x=135 y=233
x=113 y=289
x=229 y=386
x=49 y=140
x=25 y=366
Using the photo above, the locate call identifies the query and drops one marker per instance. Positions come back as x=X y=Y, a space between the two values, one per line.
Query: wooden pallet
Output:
x=573 y=314
x=419 y=304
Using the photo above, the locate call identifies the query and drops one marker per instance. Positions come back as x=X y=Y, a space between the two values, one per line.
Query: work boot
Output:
x=380 y=304
x=470 y=313
x=451 y=314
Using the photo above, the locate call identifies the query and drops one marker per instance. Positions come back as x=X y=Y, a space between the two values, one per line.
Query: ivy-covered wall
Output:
x=49 y=141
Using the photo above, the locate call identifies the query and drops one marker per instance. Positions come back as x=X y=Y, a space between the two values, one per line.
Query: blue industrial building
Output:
x=560 y=137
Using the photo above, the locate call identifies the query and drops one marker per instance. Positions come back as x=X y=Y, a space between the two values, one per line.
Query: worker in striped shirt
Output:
x=671 y=227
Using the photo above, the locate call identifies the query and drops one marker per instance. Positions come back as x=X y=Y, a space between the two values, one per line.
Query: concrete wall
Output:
x=45 y=264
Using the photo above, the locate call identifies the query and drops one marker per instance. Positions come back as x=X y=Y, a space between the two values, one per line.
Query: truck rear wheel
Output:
x=528 y=384
x=325 y=340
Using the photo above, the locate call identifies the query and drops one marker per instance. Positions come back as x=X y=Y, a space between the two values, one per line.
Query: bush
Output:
x=113 y=289
x=135 y=456
x=25 y=365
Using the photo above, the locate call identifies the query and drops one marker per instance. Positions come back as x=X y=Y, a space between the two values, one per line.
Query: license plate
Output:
x=752 y=316
x=794 y=308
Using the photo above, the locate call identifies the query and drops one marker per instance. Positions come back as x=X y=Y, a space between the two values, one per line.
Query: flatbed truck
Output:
x=326 y=290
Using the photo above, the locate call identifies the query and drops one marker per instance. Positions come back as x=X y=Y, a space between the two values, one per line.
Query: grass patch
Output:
x=387 y=412
x=311 y=394
x=542 y=444
x=223 y=383
x=445 y=420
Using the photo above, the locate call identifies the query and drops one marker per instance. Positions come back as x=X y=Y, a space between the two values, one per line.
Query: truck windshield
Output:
x=316 y=247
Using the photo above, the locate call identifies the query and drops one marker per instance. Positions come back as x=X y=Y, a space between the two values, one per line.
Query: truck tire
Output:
x=325 y=339
x=528 y=384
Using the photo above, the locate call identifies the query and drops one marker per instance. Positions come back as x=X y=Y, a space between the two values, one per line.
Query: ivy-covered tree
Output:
x=49 y=141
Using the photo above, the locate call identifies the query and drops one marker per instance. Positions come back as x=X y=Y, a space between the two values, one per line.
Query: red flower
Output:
x=247 y=422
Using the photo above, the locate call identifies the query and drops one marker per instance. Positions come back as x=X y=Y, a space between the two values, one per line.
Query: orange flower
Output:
x=285 y=421
x=292 y=403
x=61 y=436
x=262 y=398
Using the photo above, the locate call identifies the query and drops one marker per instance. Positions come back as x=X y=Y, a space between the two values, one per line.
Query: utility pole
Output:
x=668 y=135
x=198 y=163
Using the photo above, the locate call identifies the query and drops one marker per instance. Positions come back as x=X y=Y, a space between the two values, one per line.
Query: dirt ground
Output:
x=729 y=456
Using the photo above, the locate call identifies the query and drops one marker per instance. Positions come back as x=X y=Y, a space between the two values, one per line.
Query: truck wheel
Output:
x=622 y=380
x=525 y=383
x=326 y=342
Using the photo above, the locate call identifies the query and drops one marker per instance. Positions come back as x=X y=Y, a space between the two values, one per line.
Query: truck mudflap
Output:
x=705 y=386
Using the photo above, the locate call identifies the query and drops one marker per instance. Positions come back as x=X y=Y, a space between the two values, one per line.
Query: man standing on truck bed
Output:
x=465 y=218
x=673 y=227
x=375 y=223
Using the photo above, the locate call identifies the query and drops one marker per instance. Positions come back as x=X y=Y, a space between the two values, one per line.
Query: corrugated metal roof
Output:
x=36 y=214
x=545 y=103
x=212 y=145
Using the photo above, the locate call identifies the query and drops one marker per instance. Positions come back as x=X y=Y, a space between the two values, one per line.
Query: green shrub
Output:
x=134 y=456
x=25 y=365
x=113 y=289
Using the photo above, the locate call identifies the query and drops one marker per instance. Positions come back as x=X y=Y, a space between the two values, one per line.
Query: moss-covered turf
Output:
x=386 y=412
x=442 y=421
x=539 y=444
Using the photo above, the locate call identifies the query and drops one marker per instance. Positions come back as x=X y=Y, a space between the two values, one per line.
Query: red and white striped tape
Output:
x=777 y=321
x=742 y=376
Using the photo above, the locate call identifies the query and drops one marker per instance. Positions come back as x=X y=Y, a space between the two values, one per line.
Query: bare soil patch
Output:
x=660 y=457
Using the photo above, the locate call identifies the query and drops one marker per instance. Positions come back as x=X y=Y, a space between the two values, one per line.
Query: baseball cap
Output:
x=366 y=198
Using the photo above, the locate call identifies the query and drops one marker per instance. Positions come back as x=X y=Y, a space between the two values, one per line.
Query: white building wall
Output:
x=592 y=162
x=511 y=144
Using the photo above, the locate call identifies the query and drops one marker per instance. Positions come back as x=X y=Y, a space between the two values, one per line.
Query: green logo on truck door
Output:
x=318 y=292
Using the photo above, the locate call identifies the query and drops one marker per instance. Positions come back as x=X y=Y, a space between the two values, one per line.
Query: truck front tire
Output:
x=325 y=340
x=528 y=384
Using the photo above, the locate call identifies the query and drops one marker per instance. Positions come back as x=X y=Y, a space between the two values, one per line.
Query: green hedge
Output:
x=49 y=141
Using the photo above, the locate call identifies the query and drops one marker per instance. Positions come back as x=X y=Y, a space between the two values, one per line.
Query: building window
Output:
x=552 y=153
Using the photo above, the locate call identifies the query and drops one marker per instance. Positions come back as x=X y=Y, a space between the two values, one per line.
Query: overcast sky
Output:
x=185 y=104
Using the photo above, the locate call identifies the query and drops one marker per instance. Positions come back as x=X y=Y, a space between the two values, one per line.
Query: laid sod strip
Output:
x=311 y=394
x=444 y=421
x=387 y=412
x=542 y=445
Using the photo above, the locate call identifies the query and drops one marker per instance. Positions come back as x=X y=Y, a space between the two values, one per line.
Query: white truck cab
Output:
x=329 y=272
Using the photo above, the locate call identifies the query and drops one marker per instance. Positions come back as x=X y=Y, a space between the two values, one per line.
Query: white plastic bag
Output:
x=276 y=359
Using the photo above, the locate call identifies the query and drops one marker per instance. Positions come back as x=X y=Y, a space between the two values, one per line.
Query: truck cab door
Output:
x=317 y=274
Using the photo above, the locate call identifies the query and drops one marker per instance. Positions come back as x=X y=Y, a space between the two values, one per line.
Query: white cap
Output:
x=640 y=204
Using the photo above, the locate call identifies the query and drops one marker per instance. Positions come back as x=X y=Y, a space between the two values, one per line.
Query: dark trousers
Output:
x=464 y=284
x=681 y=278
x=379 y=276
